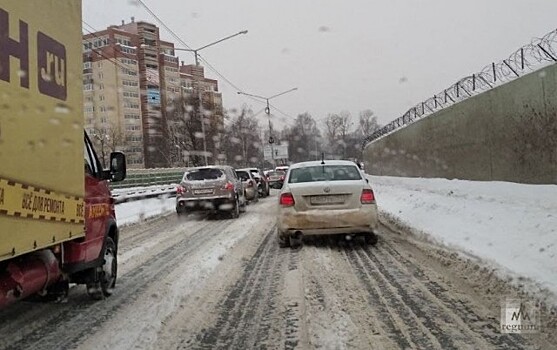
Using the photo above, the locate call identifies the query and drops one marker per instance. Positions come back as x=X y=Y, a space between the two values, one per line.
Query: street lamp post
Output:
x=198 y=84
x=195 y=51
x=268 y=112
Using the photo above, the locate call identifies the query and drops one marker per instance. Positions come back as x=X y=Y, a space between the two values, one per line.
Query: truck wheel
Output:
x=105 y=274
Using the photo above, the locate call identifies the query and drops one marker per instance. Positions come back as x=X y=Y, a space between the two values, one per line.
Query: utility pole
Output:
x=271 y=138
x=199 y=91
x=201 y=117
x=268 y=112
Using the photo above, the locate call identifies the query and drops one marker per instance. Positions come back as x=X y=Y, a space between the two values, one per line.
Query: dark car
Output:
x=275 y=178
x=210 y=188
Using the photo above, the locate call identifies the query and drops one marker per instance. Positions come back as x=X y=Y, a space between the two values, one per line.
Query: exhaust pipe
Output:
x=28 y=276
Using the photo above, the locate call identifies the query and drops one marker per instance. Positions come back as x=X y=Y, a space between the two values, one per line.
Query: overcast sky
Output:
x=385 y=55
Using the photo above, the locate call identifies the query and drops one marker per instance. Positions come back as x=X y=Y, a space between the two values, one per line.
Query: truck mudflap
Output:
x=28 y=276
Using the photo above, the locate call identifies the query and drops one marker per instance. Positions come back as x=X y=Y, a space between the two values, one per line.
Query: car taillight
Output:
x=181 y=189
x=229 y=186
x=282 y=178
x=287 y=200
x=250 y=183
x=367 y=196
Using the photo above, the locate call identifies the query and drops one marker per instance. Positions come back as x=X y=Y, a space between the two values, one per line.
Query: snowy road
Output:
x=207 y=283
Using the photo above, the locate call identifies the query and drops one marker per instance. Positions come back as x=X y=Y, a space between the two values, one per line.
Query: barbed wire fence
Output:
x=540 y=53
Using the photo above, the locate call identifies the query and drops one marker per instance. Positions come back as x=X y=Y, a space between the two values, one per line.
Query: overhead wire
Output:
x=209 y=65
x=110 y=59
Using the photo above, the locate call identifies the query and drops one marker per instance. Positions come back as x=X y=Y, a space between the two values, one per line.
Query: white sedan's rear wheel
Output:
x=371 y=238
x=295 y=242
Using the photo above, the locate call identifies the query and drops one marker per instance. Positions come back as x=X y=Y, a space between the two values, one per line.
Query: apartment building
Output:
x=132 y=79
x=129 y=75
x=112 y=94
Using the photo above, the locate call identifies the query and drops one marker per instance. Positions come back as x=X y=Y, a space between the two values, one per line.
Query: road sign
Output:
x=280 y=152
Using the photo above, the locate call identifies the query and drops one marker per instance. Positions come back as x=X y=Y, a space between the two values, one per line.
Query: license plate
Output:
x=205 y=191
x=320 y=200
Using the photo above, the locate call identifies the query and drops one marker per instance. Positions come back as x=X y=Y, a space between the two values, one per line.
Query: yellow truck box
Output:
x=41 y=125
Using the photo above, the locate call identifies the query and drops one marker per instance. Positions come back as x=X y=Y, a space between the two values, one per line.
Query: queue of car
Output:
x=220 y=188
x=328 y=197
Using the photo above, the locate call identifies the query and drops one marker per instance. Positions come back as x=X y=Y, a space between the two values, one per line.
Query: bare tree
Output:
x=108 y=138
x=337 y=129
x=368 y=123
x=242 y=139
x=184 y=125
x=303 y=139
x=332 y=126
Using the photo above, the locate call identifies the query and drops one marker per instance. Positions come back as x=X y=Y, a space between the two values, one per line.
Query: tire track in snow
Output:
x=249 y=311
x=456 y=307
x=81 y=320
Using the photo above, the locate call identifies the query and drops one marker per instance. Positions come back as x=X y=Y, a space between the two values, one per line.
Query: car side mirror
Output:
x=117 y=166
x=367 y=180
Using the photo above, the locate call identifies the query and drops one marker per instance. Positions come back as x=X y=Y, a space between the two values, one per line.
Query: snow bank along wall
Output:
x=508 y=133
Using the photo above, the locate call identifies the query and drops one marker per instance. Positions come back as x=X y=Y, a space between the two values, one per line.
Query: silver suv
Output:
x=210 y=188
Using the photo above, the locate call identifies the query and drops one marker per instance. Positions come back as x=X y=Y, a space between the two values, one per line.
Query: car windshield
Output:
x=324 y=173
x=204 y=174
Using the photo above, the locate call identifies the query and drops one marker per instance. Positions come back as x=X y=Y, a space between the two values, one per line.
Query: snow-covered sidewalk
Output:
x=508 y=225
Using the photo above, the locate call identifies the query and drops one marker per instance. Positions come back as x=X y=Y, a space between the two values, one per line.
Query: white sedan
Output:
x=323 y=198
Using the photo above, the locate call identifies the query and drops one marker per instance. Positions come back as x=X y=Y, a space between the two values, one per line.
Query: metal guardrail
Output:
x=539 y=53
x=150 y=177
x=143 y=193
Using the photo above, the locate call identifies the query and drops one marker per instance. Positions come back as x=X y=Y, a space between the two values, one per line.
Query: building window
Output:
x=133 y=127
x=101 y=98
x=134 y=138
x=129 y=83
x=131 y=94
x=88 y=87
x=127 y=50
x=128 y=61
x=131 y=105
x=128 y=72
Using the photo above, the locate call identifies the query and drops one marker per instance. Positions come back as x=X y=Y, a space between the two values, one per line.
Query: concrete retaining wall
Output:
x=506 y=134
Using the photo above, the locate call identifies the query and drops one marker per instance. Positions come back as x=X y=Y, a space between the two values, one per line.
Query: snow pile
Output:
x=137 y=211
x=511 y=225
